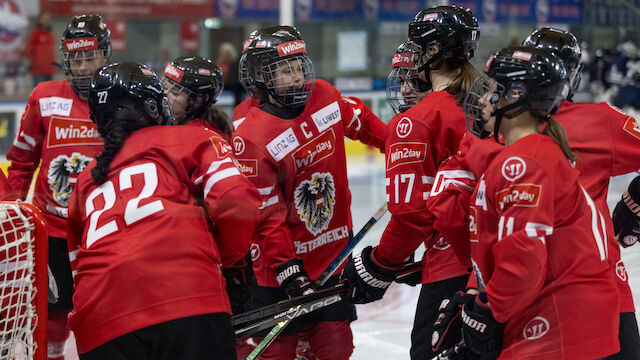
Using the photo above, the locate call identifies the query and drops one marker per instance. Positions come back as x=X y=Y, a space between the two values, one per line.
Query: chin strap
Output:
x=499 y=113
x=425 y=85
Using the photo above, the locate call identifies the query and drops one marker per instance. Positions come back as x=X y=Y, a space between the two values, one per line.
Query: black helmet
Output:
x=527 y=78
x=444 y=33
x=243 y=73
x=199 y=79
x=565 y=45
x=84 y=32
x=280 y=48
x=127 y=92
x=402 y=83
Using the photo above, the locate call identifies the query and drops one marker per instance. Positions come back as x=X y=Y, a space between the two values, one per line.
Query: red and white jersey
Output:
x=540 y=253
x=607 y=143
x=200 y=123
x=240 y=111
x=451 y=193
x=147 y=245
x=419 y=140
x=299 y=167
x=56 y=129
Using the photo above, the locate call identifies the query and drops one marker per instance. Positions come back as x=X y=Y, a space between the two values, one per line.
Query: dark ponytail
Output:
x=114 y=133
x=559 y=136
x=218 y=119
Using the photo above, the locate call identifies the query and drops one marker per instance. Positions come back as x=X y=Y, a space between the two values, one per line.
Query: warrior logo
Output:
x=315 y=199
x=63 y=173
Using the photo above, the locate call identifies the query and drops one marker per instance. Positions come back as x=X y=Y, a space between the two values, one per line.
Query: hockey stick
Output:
x=282 y=306
x=329 y=297
x=344 y=254
x=322 y=279
x=271 y=336
x=272 y=314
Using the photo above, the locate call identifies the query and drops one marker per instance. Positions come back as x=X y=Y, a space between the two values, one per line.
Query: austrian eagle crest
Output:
x=63 y=172
x=315 y=199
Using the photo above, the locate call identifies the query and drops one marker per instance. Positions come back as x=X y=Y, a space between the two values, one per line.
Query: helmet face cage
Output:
x=172 y=86
x=84 y=62
x=243 y=74
x=403 y=81
x=481 y=103
x=280 y=78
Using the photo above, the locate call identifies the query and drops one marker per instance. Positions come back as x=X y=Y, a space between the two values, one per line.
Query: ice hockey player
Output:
x=146 y=261
x=292 y=149
x=419 y=140
x=193 y=85
x=536 y=235
x=57 y=134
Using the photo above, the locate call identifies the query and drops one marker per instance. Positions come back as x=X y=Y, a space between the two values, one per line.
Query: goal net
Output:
x=23 y=282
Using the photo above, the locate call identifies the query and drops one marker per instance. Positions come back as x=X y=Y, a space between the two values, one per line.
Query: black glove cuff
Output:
x=290 y=270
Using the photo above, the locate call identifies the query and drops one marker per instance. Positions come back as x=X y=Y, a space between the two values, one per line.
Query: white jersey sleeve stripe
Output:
x=270 y=201
x=220 y=175
x=452 y=174
x=30 y=140
x=532 y=229
x=266 y=190
x=21 y=145
x=428 y=179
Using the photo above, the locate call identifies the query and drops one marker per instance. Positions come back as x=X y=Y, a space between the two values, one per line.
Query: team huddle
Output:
x=165 y=217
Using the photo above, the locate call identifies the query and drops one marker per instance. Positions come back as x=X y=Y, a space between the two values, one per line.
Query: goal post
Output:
x=23 y=282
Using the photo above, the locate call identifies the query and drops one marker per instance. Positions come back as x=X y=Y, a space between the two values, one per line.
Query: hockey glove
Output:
x=481 y=333
x=293 y=279
x=241 y=284
x=412 y=279
x=367 y=277
x=447 y=330
x=626 y=215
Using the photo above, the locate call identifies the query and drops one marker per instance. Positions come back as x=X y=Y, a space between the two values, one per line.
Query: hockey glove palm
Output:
x=626 y=215
x=293 y=279
x=241 y=284
x=447 y=330
x=481 y=333
x=368 y=278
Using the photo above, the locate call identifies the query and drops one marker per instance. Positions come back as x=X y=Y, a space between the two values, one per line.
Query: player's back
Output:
x=606 y=143
x=146 y=223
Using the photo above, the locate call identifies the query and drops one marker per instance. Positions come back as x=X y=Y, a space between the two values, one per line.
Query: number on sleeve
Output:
x=403 y=179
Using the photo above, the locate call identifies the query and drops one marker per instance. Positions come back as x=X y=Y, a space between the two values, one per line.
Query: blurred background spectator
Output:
x=41 y=50
x=228 y=61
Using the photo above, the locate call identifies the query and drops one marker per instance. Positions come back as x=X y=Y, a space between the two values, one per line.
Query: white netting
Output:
x=17 y=284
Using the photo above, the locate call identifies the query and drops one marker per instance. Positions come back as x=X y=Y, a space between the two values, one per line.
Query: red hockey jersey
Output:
x=299 y=167
x=607 y=143
x=419 y=139
x=240 y=111
x=141 y=245
x=540 y=253
x=56 y=128
x=451 y=193
x=210 y=127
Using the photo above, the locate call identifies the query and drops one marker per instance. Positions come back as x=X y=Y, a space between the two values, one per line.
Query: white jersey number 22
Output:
x=133 y=211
